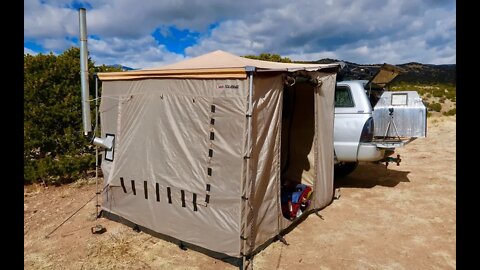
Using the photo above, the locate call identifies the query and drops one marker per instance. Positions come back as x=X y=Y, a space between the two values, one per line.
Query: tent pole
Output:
x=247 y=190
x=96 y=146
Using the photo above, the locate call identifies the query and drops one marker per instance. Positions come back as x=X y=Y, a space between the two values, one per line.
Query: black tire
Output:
x=343 y=169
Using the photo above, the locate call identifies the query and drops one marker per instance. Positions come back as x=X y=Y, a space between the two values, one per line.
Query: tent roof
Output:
x=217 y=64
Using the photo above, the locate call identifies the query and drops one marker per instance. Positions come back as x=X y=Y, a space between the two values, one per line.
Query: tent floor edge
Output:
x=235 y=261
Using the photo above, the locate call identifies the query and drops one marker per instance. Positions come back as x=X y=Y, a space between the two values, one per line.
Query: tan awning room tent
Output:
x=203 y=148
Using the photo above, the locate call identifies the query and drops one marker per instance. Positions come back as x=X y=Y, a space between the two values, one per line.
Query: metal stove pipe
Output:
x=87 y=123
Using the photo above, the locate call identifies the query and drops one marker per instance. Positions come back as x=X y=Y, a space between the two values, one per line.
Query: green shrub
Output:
x=55 y=149
x=450 y=112
x=450 y=95
x=270 y=57
x=435 y=107
x=438 y=92
x=442 y=99
x=62 y=170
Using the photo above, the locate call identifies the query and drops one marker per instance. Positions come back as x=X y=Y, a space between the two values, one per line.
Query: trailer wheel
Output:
x=343 y=169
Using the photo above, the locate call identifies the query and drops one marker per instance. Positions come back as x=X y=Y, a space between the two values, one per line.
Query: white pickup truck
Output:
x=371 y=122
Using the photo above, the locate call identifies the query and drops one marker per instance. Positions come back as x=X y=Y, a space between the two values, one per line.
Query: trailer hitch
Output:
x=391 y=159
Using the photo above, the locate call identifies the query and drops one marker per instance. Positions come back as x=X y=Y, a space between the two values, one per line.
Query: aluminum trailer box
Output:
x=400 y=114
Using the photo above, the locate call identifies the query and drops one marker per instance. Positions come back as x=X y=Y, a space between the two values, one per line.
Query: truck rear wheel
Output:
x=343 y=169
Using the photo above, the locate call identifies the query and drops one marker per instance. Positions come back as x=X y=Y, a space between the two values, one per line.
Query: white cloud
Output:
x=232 y=36
x=135 y=53
x=29 y=51
x=366 y=31
x=351 y=31
x=46 y=21
x=386 y=52
x=131 y=19
x=53 y=44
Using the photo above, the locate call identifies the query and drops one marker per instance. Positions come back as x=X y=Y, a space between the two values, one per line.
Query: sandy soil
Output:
x=400 y=217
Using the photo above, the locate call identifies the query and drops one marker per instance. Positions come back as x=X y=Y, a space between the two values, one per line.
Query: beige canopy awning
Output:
x=214 y=65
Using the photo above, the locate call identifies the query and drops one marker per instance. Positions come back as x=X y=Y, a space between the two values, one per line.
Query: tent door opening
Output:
x=297 y=148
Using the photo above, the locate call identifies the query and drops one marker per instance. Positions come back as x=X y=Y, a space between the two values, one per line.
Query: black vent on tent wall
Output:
x=169 y=195
x=183 y=197
x=182 y=192
x=133 y=187
x=123 y=185
x=145 y=189
x=194 y=200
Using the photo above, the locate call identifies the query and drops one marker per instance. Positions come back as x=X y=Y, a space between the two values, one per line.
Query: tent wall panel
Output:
x=324 y=110
x=263 y=222
x=163 y=136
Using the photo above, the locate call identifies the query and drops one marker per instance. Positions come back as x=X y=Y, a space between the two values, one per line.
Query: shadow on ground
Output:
x=371 y=175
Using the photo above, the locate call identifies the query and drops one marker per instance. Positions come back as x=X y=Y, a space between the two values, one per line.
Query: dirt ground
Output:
x=400 y=217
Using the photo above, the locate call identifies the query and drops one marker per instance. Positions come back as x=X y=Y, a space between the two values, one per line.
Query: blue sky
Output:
x=152 y=33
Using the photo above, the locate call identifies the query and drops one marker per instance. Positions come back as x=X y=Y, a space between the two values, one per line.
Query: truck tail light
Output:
x=367 y=131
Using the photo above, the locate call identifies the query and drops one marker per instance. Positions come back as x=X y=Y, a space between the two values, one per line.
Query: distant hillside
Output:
x=414 y=72
x=421 y=73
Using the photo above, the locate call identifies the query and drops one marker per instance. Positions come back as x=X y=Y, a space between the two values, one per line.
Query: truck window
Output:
x=343 y=97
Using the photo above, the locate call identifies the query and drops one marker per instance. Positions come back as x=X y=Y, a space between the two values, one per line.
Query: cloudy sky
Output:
x=150 y=33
